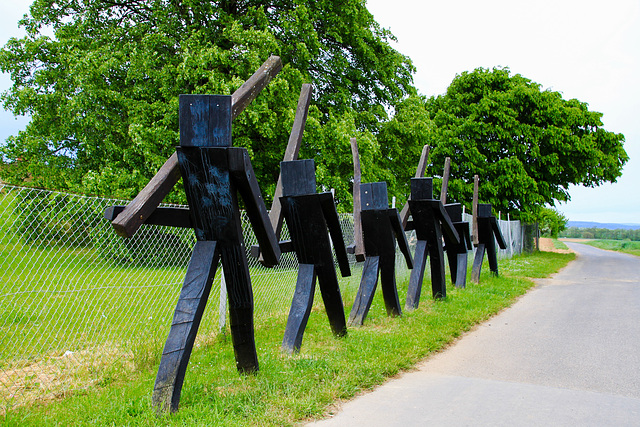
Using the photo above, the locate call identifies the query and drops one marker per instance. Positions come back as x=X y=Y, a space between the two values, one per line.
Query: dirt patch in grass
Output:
x=55 y=376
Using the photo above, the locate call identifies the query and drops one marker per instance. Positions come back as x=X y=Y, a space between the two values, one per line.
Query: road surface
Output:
x=565 y=354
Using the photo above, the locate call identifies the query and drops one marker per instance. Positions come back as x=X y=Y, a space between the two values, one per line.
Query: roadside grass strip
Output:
x=290 y=389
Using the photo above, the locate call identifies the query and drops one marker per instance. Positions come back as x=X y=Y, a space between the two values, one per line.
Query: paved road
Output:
x=567 y=353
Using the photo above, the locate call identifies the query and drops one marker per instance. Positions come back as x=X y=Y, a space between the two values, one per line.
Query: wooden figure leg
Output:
x=240 y=297
x=186 y=320
x=477 y=263
x=330 y=290
x=366 y=290
x=300 y=308
x=492 y=256
x=436 y=260
x=417 y=276
x=388 y=283
x=461 y=274
x=452 y=258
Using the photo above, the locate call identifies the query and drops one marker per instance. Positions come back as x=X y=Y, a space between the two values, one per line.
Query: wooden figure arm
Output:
x=333 y=223
x=498 y=233
x=247 y=185
x=446 y=224
x=141 y=207
x=403 y=244
x=170 y=217
x=467 y=237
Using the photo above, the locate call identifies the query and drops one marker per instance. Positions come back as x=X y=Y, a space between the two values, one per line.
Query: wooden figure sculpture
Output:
x=213 y=174
x=488 y=233
x=457 y=251
x=381 y=228
x=429 y=220
x=308 y=215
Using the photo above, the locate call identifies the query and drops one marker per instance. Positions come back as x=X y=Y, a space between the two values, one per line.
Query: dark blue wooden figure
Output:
x=457 y=251
x=381 y=228
x=488 y=233
x=429 y=220
x=308 y=216
x=213 y=174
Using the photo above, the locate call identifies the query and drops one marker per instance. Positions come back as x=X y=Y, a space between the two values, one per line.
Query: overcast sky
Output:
x=584 y=49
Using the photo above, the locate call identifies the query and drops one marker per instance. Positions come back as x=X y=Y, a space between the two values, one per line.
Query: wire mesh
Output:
x=77 y=300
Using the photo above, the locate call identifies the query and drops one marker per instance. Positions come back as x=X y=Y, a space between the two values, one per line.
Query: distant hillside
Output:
x=609 y=226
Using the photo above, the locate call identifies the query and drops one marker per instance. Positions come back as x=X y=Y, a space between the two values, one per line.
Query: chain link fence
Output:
x=77 y=301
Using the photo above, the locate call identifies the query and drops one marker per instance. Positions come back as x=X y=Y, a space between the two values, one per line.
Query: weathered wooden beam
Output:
x=291 y=153
x=141 y=207
x=445 y=180
x=474 y=221
x=357 y=204
x=422 y=167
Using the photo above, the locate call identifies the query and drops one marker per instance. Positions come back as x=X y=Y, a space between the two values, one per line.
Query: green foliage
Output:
x=403 y=137
x=526 y=144
x=551 y=222
x=102 y=94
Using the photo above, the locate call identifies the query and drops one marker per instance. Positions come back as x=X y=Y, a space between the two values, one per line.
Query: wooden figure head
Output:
x=484 y=210
x=205 y=120
x=421 y=189
x=374 y=196
x=454 y=210
x=298 y=177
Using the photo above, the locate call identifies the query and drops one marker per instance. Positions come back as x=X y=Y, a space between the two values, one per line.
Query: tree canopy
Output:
x=526 y=144
x=102 y=93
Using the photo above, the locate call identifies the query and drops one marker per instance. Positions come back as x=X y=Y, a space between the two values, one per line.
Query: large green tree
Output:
x=102 y=93
x=526 y=144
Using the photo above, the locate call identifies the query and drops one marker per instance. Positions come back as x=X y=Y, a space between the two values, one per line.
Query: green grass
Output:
x=559 y=245
x=626 y=246
x=287 y=389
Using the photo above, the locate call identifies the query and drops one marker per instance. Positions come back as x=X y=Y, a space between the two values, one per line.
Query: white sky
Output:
x=589 y=50
x=584 y=49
